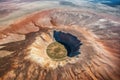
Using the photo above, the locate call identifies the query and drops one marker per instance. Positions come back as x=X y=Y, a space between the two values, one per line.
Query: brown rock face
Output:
x=23 y=47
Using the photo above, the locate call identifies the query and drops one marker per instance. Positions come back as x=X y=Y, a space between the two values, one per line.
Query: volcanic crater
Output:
x=92 y=50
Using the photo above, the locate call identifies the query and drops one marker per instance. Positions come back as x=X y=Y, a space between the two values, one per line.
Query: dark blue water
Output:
x=112 y=3
x=71 y=43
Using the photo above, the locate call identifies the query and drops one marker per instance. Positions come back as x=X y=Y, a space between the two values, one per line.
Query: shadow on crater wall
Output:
x=71 y=43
